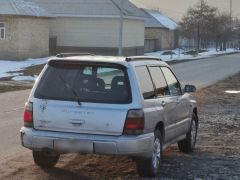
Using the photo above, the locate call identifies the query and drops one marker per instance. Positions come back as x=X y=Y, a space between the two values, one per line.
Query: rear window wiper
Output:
x=71 y=89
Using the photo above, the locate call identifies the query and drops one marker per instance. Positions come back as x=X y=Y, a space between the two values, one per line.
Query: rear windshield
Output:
x=85 y=83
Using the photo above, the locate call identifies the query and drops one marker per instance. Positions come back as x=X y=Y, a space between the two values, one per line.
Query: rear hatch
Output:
x=82 y=97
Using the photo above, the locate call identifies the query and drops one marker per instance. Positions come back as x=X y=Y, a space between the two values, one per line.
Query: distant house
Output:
x=93 y=26
x=160 y=32
x=24 y=30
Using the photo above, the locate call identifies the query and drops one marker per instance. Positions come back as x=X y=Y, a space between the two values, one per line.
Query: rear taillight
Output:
x=134 y=124
x=28 y=114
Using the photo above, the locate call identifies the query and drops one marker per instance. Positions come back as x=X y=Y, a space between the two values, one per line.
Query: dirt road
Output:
x=217 y=155
x=11 y=108
x=198 y=72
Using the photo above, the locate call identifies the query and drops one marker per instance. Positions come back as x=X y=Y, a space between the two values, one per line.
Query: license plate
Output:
x=74 y=146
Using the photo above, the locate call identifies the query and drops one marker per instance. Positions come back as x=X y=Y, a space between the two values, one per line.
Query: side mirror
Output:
x=189 y=88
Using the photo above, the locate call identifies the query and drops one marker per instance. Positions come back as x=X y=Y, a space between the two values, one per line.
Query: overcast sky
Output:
x=177 y=8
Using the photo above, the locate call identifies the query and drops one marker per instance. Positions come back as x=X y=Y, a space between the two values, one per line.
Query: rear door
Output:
x=83 y=98
x=165 y=103
x=147 y=90
x=181 y=111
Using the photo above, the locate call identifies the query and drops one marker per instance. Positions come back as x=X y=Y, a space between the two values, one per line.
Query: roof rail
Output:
x=142 y=58
x=62 y=55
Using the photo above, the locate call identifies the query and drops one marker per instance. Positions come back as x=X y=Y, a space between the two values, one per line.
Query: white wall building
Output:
x=93 y=26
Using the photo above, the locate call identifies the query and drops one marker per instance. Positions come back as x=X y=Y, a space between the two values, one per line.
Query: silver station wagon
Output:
x=132 y=106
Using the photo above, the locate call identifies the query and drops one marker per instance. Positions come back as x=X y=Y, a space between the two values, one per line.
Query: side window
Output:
x=145 y=81
x=159 y=81
x=173 y=84
x=2 y=31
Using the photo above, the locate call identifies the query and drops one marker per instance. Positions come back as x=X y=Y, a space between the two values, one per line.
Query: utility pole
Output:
x=199 y=24
x=231 y=13
x=120 y=45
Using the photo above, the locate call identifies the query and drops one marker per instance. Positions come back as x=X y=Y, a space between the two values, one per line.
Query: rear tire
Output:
x=149 y=167
x=45 y=159
x=187 y=145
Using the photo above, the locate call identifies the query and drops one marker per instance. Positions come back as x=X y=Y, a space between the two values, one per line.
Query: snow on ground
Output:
x=6 y=67
x=179 y=54
x=25 y=78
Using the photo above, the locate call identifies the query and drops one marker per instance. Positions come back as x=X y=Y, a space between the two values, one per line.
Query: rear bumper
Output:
x=84 y=143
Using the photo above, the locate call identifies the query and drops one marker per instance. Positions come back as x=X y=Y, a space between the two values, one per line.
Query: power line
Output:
x=231 y=13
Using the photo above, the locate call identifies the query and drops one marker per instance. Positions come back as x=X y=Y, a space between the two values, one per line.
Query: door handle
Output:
x=163 y=103
x=77 y=123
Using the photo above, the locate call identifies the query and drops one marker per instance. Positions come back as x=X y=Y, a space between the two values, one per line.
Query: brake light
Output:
x=134 y=124
x=28 y=114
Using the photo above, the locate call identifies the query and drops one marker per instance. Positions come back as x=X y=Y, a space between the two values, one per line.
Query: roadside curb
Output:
x=200 y=58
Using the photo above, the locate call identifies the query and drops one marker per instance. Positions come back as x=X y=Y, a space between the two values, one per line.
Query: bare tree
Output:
x=236 y=32
x=199 y=22
x=224 y=30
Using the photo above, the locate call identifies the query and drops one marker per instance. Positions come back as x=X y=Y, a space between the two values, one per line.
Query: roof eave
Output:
x=100 y=16
x=31 y=16
x=155 y=27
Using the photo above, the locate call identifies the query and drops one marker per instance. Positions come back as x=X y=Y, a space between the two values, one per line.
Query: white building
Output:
x=93 y=26
x=160 y=32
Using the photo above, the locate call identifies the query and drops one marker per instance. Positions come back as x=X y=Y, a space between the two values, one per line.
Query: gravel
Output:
x=217 y=155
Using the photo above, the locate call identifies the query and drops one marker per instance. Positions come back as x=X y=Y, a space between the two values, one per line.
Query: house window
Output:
x=2 y=30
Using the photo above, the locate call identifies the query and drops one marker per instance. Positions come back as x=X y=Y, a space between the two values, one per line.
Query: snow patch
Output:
x=24 y=78
x=179 y=54
x=29 y=8
x=232 y=92
x=6 y=67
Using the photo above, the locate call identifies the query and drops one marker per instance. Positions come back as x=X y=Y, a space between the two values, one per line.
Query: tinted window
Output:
x=145 y=81
x=173 y=84
x=106 y=74
x=159 y=81
x=99 y=84
x=87 y=70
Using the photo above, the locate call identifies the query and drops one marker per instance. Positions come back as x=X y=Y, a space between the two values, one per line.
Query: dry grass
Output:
x=6 y=88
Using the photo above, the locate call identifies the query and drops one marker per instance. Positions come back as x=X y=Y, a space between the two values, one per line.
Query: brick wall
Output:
x=26 y=37
x=164 y=38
